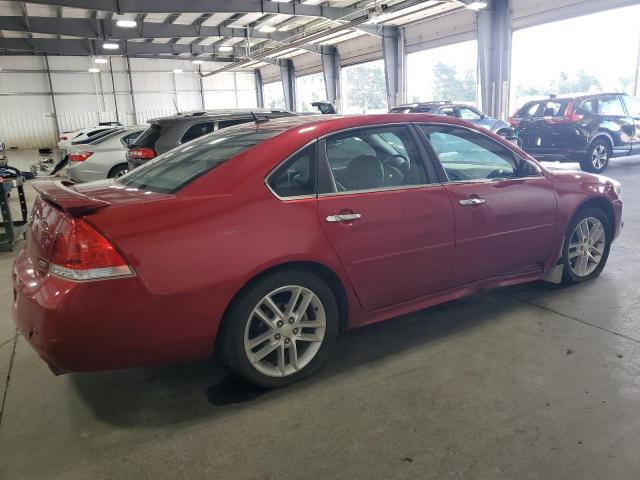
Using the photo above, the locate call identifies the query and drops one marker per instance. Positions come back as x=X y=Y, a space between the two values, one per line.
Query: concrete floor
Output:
x=531 y=382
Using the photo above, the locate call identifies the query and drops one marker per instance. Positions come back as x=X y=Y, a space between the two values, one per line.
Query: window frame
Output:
x=442 y=173
x=275 y=170
x=326 y=181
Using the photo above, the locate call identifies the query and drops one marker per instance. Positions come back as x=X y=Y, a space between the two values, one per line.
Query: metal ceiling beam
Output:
x=91 y=47
x=107 y=30
x=203 y=6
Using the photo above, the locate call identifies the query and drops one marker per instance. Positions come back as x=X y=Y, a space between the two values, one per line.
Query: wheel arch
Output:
x=602 y=204
x=601 y=135
x=111 y=170
x=325 y=273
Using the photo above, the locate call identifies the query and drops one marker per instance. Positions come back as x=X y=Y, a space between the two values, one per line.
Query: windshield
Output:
x=173 y=170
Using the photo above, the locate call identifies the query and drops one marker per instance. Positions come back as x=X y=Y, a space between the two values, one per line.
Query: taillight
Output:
x=63 y=137
x=81 y=253
x=570 y=115
x=79 y=156
x=140 y=154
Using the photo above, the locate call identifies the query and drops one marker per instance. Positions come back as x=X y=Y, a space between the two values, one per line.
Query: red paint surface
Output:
x=193 y=251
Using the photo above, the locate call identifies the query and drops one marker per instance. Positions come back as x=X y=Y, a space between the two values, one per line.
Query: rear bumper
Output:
x=108 y=324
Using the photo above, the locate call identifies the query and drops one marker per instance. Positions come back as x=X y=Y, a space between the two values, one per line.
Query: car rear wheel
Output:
x=279 y=329
x=118 y=171
x=586 y=246
x=597 y=157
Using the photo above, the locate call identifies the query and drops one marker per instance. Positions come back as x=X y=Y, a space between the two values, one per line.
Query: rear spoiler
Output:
x=68 y=199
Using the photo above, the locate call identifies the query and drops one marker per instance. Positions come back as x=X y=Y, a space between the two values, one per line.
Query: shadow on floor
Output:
x=153 y=397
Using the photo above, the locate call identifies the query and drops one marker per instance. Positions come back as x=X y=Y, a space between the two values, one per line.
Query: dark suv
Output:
x=588 y=129
x=457 y=110
x=166 y=133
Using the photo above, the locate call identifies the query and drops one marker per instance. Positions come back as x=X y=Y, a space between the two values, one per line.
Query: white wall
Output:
x=83 y=99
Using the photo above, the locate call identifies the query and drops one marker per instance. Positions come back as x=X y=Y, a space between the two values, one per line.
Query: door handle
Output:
x=343 y=217
x=467 y=202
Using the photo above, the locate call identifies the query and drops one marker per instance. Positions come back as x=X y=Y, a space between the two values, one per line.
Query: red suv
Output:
x=262 y=241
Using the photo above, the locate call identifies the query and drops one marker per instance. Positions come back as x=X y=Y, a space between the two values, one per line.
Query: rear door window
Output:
x=610 y=106
x=196 y=131
x=386 y=157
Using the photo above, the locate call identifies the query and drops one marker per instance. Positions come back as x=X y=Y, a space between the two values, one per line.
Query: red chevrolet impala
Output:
x=261 y=242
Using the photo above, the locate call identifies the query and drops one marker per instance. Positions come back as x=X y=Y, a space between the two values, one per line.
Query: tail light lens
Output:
x=81 y=253
x=63 y=137
x=79 y=156
x=140 y=154
x=570 y=115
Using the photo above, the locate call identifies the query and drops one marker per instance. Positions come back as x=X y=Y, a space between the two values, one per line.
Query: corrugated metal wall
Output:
x=83 y=99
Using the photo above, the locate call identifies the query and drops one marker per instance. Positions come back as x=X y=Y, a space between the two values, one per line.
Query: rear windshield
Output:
x=172 y=170
x=149 y=137
x=547 y=108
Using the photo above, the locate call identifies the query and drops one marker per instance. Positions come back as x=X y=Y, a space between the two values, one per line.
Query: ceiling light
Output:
x=477 y=5
x=126 y=23
x=100 y=60
x=177 y=70
x=225 y=48
x=94 y=70
x=197 y=62
x=267 y=28
x=110 y=46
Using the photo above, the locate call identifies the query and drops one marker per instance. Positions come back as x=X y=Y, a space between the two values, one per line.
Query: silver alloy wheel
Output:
x=285 y=331
x=586 y=246
x=599 y=156
x=121 y=173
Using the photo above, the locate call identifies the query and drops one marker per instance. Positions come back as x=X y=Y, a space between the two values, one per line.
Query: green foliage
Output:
x=366 y=88
x=581 y=82
x=448 y=84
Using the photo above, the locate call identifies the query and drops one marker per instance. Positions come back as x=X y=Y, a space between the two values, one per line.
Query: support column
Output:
x=288 y=83
x=494 y=57
x=115 y=95
x=53 y=101
x=393 y=53
x=133 y=99
x=259 y=89
x=331 y=72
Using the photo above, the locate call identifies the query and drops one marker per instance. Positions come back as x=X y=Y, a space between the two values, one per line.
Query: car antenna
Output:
x=258 y=120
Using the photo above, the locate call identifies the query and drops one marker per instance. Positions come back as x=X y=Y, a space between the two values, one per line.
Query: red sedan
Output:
x=262 y=241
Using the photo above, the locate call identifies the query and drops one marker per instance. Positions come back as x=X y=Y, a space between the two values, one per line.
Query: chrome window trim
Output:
x=273 y=170
x=484 y=180
x=383 y=189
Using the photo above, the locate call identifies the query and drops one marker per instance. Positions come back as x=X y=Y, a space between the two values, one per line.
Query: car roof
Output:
x=222 y=114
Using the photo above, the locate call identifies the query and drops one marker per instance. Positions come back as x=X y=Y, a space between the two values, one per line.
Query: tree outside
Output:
x=365 y=88
x=450 y=84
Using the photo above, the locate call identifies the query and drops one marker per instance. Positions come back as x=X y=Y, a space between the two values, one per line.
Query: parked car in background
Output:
x=66 y=139
x=3 y=157
x=457 y=110
x=588 y=129
x=261 y=242
x=104 y=158
x=166 y=133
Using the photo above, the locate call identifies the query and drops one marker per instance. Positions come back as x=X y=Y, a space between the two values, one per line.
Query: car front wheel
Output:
x=586 y=246
x=279 y=329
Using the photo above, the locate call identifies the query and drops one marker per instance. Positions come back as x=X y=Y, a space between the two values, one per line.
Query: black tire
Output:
x=598 y=156
x=118 y=170
x=230 y=343
x=568 y=275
